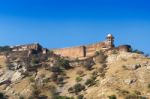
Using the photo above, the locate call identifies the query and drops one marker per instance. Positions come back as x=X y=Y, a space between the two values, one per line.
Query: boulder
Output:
x=129 y=81
x=136 y=66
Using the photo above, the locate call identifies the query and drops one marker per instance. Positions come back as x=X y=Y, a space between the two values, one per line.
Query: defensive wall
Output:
x=90 y=50
x=81 y=51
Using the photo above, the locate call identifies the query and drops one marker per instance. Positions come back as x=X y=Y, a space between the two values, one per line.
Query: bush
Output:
x=80 y=97
x=2 y=96
x=148 y=86
x=76 y=88
x=36 y=93
x=78 y=79
x=60 y=79
x=21 y=97
x=112 y=97
x=64 y=97
x=71 y=90
x=31 y=79
x=54 y=76
x=90 y=82
x=124 y=92
x=88 y=64
x=63 y=63
x=35 y=60
x=56 y=69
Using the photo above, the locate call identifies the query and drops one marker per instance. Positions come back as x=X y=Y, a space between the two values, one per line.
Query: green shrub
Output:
x=71 y=90
x=114 y=52
x=54 y=76
x=60 y=79
x=35 y=60
x=80 y=97
x=148 y=86
x=62 y=63
x=56 y=69
x=112 y=97
x=78 y=79
x=2 y=96
x=21 y=97
x=31 y=79
x=76 y=88
x=36 y=93
x=64 y=97
x=90 y=82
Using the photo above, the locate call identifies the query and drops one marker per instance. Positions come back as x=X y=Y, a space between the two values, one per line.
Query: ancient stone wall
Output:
x=73 y=52
x=91 y=49
x=81 y=51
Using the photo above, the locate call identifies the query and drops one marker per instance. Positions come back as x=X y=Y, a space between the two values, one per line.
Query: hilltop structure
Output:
x=90 y=50
x=76 y=52
x=35 y=47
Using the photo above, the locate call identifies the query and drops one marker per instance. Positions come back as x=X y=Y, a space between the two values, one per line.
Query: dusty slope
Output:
x=126 y=74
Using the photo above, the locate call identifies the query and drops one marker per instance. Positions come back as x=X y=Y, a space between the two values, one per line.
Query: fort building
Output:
x=89 y=50
x=78 y=51
x=34 y=46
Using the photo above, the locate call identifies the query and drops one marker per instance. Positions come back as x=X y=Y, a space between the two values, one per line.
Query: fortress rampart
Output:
x=76 y=52
x=86 y=51
x=90 y=50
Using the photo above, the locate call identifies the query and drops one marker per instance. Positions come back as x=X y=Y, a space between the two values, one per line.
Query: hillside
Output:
x=113 y=75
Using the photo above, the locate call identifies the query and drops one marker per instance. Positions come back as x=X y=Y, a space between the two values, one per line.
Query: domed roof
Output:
x=109 y=35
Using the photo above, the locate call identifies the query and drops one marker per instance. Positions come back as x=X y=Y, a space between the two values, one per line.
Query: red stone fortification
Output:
x=88 y=50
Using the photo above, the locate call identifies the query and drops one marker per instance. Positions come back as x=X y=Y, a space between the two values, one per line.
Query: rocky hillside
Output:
x=113 y=75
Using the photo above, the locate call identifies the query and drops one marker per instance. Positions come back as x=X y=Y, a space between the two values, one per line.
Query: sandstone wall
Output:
x=91 y=49
x=81 y=51
x=72 y=52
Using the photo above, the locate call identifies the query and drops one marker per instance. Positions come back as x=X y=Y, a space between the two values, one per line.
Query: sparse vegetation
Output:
x=112 y=97
x=2 y=96
x=114 y=52
x=90 y=82
x=123 y=92
x=32 y=79
x=78 y=79
x=148 y=86
x=51 y=75
x=133 y=96
x=56 y=69
x=64 y=97
x=80 y=97
x=76 y=88
x=62 y=63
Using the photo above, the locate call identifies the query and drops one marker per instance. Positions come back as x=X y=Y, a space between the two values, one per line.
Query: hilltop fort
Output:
x=78 y=51
x=95 y=71
x=89 y=50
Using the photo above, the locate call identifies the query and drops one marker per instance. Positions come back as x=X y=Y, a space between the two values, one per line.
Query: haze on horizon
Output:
x=64 y=23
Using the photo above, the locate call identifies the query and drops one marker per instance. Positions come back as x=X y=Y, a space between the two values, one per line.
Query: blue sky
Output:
x=64 y=23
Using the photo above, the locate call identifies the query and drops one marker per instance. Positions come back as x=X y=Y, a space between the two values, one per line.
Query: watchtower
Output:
x=110 y=41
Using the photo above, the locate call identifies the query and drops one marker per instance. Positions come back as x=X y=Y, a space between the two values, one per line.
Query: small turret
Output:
x=110 y=41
